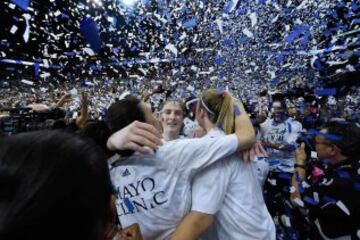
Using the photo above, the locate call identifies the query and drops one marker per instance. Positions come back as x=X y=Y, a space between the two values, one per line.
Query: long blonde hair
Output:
x=220 y=109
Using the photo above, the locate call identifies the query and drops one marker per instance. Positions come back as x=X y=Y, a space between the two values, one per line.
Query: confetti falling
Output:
x=245 y=45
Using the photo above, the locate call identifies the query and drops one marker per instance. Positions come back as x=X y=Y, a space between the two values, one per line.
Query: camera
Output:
x=309 y=146
x=23 y=119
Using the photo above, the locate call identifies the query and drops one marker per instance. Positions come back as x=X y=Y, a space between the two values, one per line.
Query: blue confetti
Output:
x=36 y=69
x=190 y=24
x=296 y=33
x=5 y=43
x=176 y=36
x=310 y=201
x=290 y=147
x=219 y=60
x=284 y=175
x=325 y=92
x=64 y=15
x=237 y=111
x=343 y=174
x=241 y=10
x=129 y=205
x=328 y=199
x=228 y=42
x=221 y=74
x=70 y=54
x=354 y=6
x=357 y=186
x=23 y=4
x=279 y=58
x=90 y=31
x=243 y=39
x=274 y=162
x=228 y=6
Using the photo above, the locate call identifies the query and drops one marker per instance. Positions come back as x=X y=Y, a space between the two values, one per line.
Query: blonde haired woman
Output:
x=227 y=192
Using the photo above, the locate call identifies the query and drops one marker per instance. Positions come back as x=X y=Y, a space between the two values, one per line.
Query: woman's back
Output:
x=154 y=190
x=231 y=190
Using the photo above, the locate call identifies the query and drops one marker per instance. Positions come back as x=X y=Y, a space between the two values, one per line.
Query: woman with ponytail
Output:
x=227 y=192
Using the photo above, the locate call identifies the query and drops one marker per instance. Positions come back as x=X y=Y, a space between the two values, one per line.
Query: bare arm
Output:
x=298 y=175
x=64 y=99
x=256 y=150
x=274 y=145
x=192 y=226
x=80 y=121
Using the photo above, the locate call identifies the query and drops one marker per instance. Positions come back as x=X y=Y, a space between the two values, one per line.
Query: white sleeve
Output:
x=196 y=154
x=209 y=189
x=296 y=128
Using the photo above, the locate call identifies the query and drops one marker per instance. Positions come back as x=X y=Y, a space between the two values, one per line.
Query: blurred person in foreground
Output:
x=55 y=185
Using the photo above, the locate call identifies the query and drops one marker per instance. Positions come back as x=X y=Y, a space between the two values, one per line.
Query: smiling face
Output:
x=172 y=116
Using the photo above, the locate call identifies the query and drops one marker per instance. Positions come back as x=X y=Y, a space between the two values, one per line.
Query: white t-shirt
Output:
x=155 y=190
x=281 y=133
x=231 y=190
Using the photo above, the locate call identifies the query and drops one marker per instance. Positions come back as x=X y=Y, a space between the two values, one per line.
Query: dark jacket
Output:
x=334 y=201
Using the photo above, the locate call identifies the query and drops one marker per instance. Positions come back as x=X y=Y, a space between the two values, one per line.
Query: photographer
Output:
x=332 y=202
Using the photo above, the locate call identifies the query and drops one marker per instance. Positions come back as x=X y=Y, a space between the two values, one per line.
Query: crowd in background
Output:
x=303 y=103
x=285 y=121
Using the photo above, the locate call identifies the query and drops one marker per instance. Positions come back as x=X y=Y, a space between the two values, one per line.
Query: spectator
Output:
x=333 y=201
x=279 y=135
x=228 y=191
x=171 y=117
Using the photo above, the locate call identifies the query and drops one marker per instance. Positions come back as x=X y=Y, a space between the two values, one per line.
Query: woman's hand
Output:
x=256 y=150
x=131 y=232
x=138 y=136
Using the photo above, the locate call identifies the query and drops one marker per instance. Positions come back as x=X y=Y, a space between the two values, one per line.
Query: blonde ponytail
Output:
x=222 y=109
x=226 y=115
